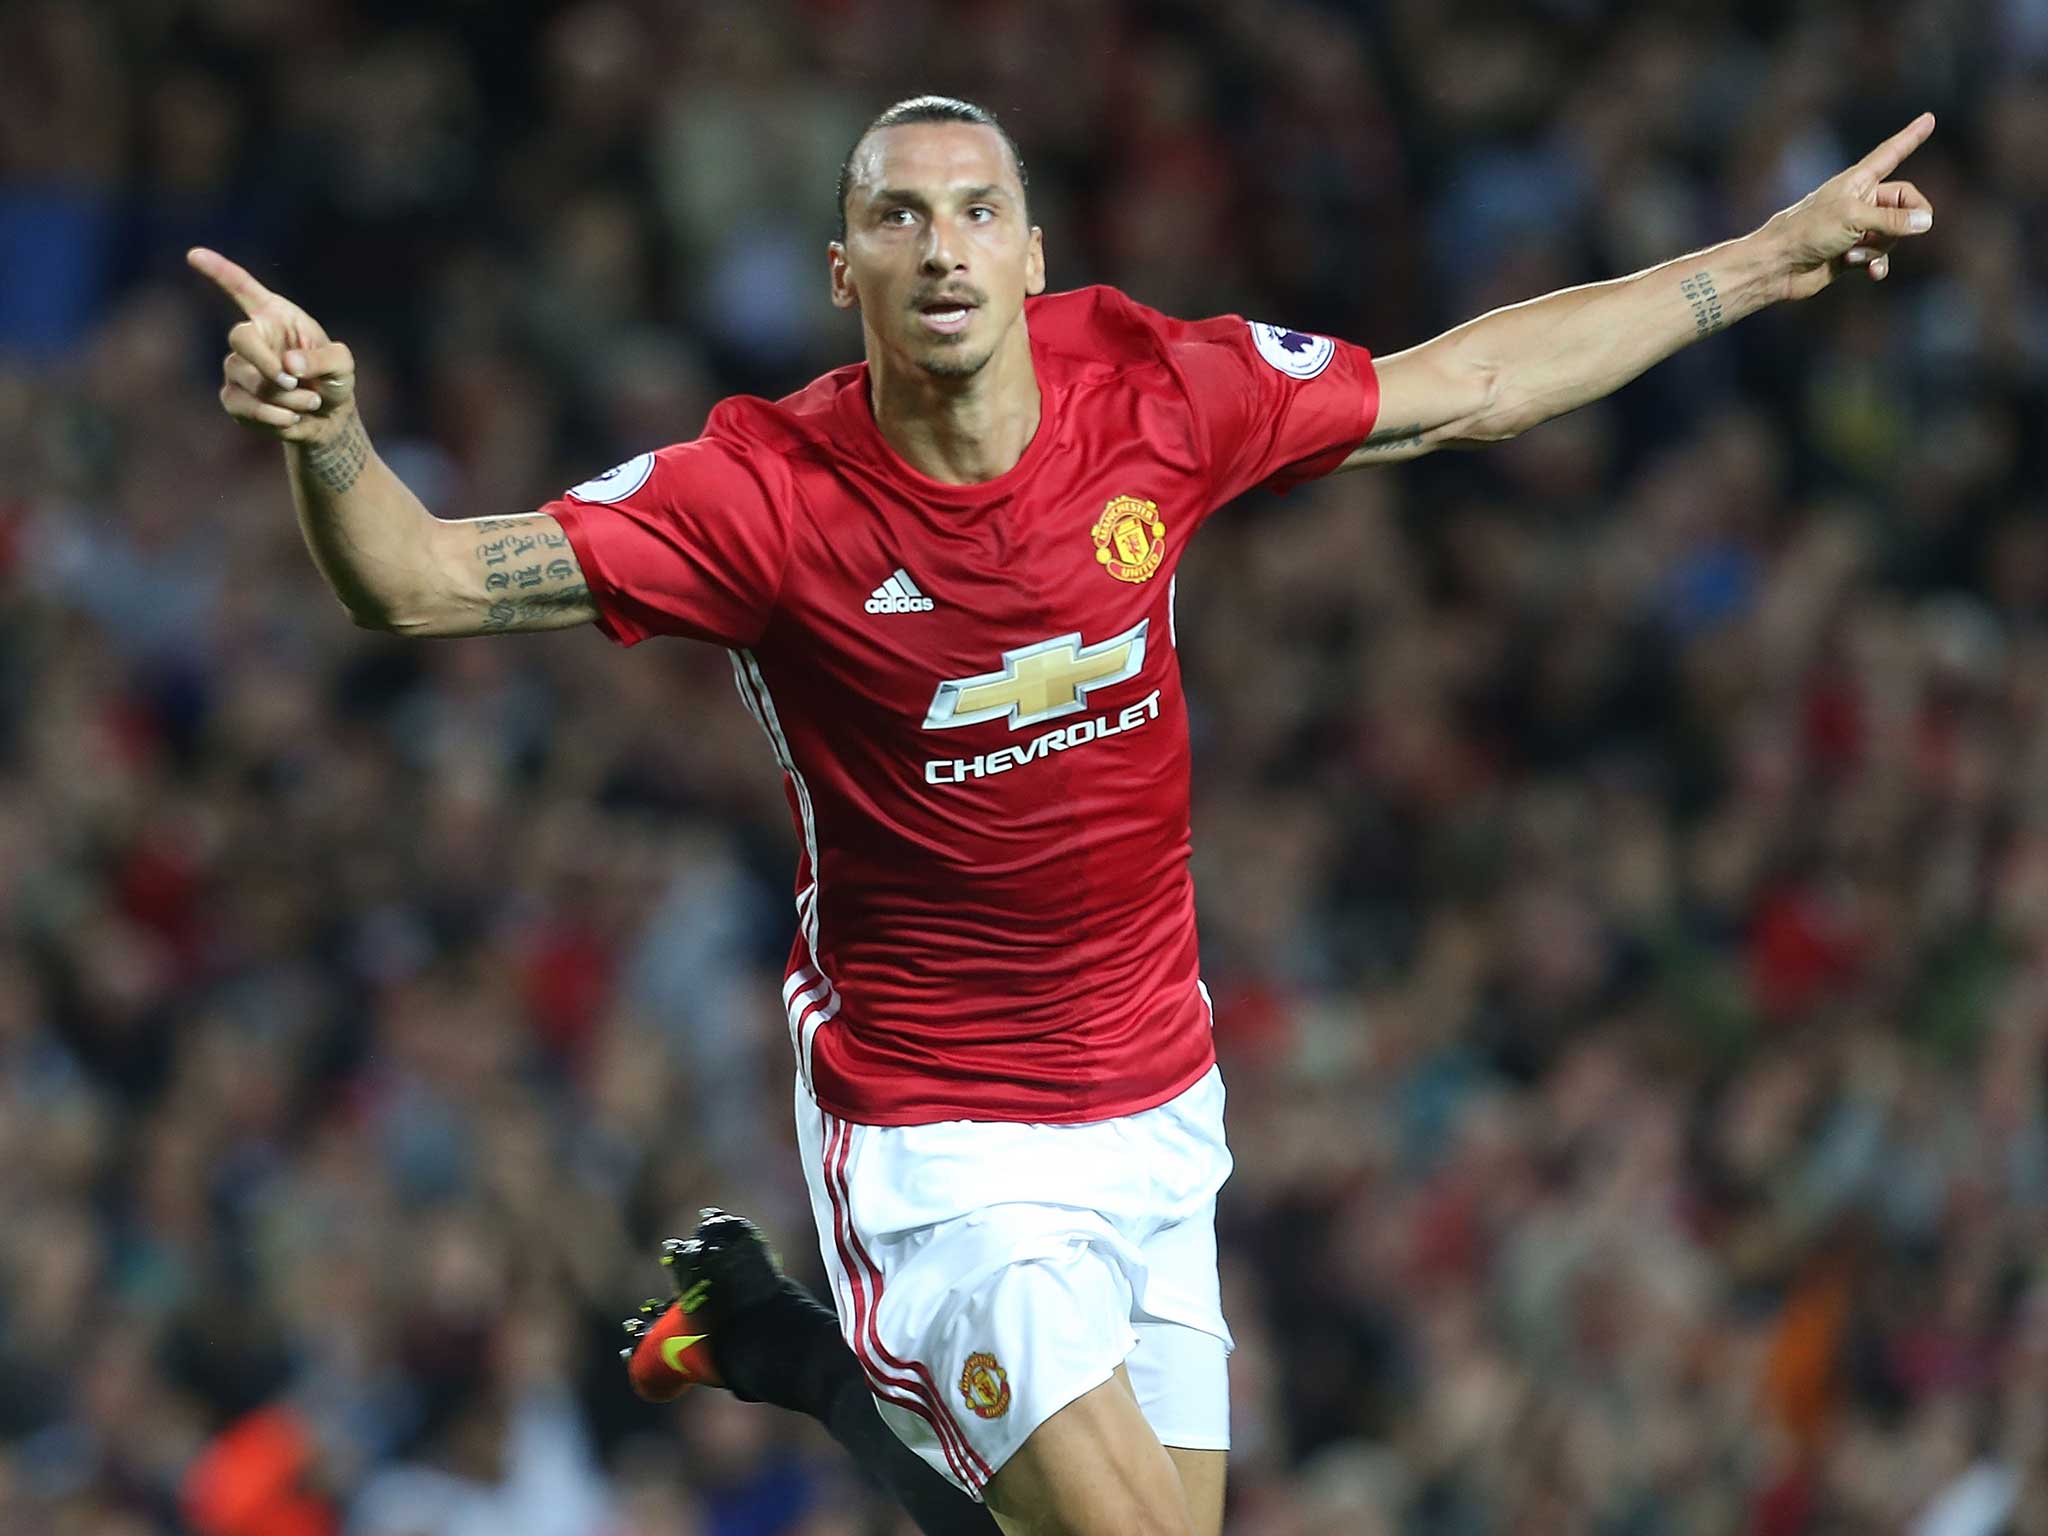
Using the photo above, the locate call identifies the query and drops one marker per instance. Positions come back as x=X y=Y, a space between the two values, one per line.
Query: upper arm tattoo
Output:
x=1386 y=445
x=530 y=576
x=1391 y=440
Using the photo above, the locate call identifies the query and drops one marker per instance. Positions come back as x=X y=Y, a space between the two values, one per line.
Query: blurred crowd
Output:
x=1623 y=853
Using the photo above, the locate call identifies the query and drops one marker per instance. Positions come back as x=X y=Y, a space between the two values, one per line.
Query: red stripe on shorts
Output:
x=867 y=1339
x=907 y=1395
x=930 y=1391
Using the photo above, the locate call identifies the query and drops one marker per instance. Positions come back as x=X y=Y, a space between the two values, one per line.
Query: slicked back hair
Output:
x=926 y=109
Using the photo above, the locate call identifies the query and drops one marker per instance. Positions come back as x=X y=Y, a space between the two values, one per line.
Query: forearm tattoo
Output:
x=1392 y=439
x=338 y=462
x=530 y=571
x=1706 y=304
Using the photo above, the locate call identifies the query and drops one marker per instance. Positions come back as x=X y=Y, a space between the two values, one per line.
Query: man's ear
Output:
x=1034 y=263
x=844 y=295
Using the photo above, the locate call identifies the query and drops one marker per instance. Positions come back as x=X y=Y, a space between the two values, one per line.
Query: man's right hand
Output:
x=282 y=375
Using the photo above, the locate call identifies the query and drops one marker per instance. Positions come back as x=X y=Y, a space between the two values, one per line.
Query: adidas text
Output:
x=898 y=594
x=889 y=602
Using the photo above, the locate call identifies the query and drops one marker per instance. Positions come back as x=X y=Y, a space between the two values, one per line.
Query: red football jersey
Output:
x=973 y=695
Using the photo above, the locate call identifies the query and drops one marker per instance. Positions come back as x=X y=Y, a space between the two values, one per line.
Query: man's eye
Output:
x=981 y=212
x=898 y=216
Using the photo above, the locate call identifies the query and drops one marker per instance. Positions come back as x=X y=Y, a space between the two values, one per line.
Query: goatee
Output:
x=946 y=366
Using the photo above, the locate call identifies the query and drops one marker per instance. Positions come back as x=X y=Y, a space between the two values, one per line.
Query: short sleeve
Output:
x=1273 y=406
x=688 y=540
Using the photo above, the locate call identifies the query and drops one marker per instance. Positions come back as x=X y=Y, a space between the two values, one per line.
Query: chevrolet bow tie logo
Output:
x=1039 y=682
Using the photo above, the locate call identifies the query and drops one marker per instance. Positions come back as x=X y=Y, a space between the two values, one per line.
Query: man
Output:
x=945 y=576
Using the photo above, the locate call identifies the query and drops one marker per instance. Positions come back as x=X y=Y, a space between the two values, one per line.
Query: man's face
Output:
x=937 y=256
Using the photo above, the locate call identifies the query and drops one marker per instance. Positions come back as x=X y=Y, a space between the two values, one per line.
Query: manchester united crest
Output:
x=986 y=1386
x=1130 y=540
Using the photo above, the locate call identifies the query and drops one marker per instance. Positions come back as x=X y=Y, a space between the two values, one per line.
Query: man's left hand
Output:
x=1853 y=220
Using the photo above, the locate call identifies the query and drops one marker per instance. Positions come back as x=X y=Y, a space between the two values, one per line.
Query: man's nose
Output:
x=940 y=256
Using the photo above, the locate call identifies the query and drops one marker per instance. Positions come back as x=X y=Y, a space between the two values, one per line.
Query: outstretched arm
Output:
x=394 y=565
x=1504 y=372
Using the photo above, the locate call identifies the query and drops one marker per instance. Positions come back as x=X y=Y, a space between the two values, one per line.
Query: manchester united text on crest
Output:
x=986 y=1386
x=1130 y=540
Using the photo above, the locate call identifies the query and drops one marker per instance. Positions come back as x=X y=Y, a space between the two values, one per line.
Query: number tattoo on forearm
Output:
x=1706 y=304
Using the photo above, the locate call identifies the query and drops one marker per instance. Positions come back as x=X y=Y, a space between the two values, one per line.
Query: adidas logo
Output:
x=898 y=594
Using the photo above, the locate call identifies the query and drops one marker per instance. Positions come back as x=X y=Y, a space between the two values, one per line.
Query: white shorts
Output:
x=987 y=1273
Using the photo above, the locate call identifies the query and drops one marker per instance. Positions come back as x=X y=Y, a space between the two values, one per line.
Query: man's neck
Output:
x=958 y=431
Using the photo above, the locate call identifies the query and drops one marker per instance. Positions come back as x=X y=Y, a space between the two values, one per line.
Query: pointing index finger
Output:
x=232 y=280
x=1889 y=155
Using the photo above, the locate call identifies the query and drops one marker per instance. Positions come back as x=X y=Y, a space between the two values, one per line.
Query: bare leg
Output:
x=1201 y=1480
x=1093 y=1469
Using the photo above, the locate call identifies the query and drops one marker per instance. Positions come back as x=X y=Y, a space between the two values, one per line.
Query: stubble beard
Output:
x=955 y=365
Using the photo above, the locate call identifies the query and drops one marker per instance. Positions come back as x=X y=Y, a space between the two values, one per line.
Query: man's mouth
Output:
x=946 y=317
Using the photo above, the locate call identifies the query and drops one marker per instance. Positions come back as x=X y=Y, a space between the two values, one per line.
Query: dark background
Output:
x=1622 y=852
